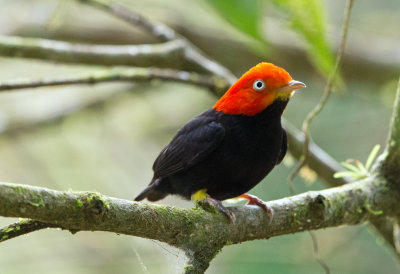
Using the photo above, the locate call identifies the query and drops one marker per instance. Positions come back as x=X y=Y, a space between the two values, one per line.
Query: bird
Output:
x=225 y=151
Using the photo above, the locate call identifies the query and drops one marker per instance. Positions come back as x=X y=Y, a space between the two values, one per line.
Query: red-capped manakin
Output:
x=227 y=150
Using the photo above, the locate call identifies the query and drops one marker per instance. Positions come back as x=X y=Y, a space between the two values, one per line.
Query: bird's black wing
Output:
x=283 y=147
x=192 y=144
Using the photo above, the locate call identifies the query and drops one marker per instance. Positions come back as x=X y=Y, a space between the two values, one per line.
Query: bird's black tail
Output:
x=151 y=192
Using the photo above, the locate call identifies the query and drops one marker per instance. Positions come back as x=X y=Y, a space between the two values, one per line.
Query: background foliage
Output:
x=110 y=147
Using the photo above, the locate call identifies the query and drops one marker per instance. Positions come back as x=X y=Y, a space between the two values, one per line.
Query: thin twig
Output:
x=316 y=254
x=306 y=124
x=327 y=91
x=213 y=83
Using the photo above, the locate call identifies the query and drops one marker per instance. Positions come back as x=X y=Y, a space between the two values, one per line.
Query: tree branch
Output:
x=195 y=230
x=391 y=161
x=325 y=166
x=213 y=83
x=168 y=54
x=21 y=228
x=388 y=167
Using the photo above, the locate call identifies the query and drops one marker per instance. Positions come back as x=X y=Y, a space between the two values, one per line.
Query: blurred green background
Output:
x=110 y=145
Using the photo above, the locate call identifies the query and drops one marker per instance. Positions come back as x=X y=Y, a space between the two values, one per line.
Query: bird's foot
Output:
x=208 y=201
x=254 y=200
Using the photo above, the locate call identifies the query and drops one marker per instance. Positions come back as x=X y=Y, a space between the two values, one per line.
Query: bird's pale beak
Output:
x=291 y=86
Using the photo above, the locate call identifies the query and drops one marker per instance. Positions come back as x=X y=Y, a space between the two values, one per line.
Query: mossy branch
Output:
x=197 y=230
x=21 y=228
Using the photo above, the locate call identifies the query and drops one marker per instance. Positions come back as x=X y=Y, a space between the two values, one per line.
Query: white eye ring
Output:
x=259 y=84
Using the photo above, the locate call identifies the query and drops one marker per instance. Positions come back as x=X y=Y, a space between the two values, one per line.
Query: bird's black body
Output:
x=225 y=154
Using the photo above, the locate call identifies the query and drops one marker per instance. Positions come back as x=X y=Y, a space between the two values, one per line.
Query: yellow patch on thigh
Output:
x=199 y=195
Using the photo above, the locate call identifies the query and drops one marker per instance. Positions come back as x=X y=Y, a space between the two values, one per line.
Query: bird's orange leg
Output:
x=254 y=200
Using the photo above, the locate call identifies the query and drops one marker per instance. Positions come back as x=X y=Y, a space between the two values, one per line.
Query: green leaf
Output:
x=244 y=15
x=350 y=167
x=372 y=156
x=352 y=175
x=342 y=174
x=308 y=18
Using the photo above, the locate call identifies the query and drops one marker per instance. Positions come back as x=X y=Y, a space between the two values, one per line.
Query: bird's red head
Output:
x=257 y=89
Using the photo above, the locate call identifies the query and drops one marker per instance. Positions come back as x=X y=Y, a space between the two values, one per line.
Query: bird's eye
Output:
x=259 y=84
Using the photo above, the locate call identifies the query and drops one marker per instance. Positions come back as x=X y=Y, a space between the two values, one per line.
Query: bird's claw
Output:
x=254 y=200
x=218 y=204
